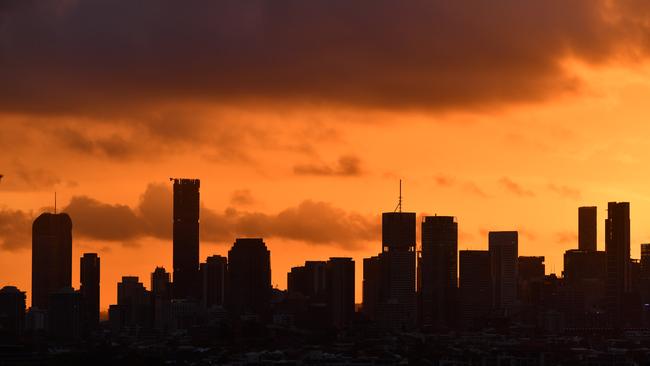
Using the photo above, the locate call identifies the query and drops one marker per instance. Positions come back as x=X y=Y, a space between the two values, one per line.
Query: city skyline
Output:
x=416 y=218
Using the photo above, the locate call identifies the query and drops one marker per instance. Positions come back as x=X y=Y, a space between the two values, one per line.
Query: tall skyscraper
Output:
x=340 y=290
x=89 y=289
x=617 y=247
x=587 y=228
x=249 y=279
x=214 y=272
x=186 y=239
x=51 y=256
x=397 y=304
x=503 y=247
x=475 y=297
x=439 y=271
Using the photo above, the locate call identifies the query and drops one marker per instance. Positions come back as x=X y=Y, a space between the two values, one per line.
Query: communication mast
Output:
x=399 y=202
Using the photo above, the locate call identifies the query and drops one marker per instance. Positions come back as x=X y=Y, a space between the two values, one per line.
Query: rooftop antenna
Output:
x=399 y=203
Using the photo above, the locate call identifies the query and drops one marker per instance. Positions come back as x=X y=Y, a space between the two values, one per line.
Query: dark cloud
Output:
x=91 y=56
x=310 y=222
x=515 y=188
x=15 y=229
x=347 y=166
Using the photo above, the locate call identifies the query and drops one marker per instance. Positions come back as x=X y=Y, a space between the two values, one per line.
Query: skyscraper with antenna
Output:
x=396 y=305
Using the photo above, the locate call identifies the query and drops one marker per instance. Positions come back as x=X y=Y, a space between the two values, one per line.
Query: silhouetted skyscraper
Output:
x=617 y=247
x=12 y=314
x=215 y=272
x=134 y=302
x=309 y=280
x=186 y=239
x=340 y=290
x=371 y=286
x=474 y=291
x=51 y=256
x=439 y=271
x=249 y=279
x=397 y=304
x=587 y=228
x=503 y=246
x=161 y=296
x=89 y=289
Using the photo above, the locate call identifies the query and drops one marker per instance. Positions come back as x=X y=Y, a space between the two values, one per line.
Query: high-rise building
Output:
x=134 y=302
x=474 y=291
x=186 y=239
x=64 y=316
x=531 y=272
x=397 y=304
x=371 y=286
x=617 y=247
x=51 y=256
x=584 y=277
x=12 y=314
x=249 y=279
x=309 y=280
x=89 y=290
x=161 y=296
x=439 y=271
x=214 y=272
x=340 y=291
x=503 y=247
x=587 y=228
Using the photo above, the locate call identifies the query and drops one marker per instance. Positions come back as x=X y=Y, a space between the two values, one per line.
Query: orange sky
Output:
x=308 y=154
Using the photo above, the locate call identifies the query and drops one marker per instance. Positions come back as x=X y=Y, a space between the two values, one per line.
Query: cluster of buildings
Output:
x=430 y=288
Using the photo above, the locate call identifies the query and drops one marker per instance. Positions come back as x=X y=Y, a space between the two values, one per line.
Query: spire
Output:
x=399 y=202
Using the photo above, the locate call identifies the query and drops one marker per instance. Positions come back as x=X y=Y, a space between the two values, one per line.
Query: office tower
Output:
x=308 y=280
x=249 y=279
x=587 y=228
x=531 y=271
x=475 y=298
x=89 y=290
x=439 y=271
x=582 y=265
x=503 y=247
x=617 y=247
x=214 y=271
x=584 y=276
x=397 y=304
x=186 y=239
x=12 y=314
x=340 y=290
x=371 y=286
x=161 y=296
x=64 y=316
x=51 y=256
x=134 y=301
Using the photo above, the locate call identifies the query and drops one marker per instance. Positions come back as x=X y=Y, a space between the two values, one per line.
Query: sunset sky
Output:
x=300 y=117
